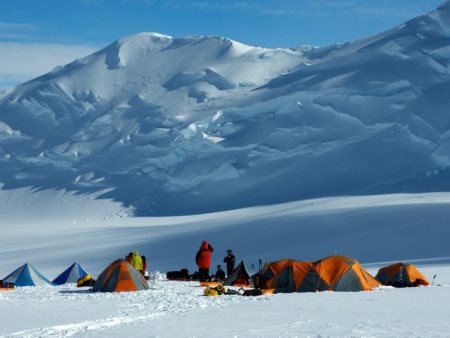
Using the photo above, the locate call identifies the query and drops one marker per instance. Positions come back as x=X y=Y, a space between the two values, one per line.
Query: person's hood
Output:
x=136 y=253
x=204 y=245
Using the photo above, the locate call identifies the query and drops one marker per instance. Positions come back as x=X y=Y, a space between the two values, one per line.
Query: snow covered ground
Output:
x=372 y=229
x=178 y=309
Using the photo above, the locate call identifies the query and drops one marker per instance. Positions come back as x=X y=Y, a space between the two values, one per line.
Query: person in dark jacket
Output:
x=220 y=274
x=203 y=260
x=144 y=265
x=230 y=259
x=129 y=258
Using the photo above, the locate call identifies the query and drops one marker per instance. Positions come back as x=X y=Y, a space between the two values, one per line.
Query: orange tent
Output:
x=401 y=275
x=295 y=277
x=271 y=270
x=334 y=273
x=120 y=276
x=341 y=273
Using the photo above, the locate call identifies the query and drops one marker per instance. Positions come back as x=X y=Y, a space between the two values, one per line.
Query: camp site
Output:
x=256 y=168
x=307 y=285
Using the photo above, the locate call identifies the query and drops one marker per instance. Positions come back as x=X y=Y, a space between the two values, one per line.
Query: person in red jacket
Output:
x=203 y=260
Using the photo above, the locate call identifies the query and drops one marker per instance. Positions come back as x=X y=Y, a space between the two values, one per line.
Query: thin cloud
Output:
x=15 y=65
x=13 y=36
x=383 y=8
x=15 y=31
x=9 y=26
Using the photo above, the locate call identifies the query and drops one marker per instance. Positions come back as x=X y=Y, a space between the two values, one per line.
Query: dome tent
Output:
x=271 y=270
x=334 y=273
x=341 y=273
x=401 y=275
x=120 y=276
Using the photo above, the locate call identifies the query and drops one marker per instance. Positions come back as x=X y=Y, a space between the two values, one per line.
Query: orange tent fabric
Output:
x=120 y=276
x=334 y=273
x=401 y=274
x=295 y=277
x=341 y=273
x=272 y=269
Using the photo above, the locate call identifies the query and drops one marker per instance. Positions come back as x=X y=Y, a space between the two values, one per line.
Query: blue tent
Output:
x=26 y=275
x=71 y=274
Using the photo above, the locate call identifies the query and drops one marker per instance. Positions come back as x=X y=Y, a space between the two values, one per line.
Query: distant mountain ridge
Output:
x=187 y=125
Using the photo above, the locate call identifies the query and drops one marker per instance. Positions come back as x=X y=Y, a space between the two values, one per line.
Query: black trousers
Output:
x=204 y=274
x=230 y=270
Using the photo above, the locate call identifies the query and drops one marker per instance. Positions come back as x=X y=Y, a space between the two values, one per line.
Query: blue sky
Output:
x=57 y=31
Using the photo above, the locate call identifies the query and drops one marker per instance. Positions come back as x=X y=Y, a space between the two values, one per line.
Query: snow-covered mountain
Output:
x=189 y=125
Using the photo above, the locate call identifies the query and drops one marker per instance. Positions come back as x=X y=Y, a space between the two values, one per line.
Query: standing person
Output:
x=230 y=259
x=144 y=265
x=129 y=258
x=137 y=261
x=203 y=260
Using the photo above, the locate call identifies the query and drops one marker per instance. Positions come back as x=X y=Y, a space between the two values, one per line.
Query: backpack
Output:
x=215 y=291
x=183 y=274
x=85 y=281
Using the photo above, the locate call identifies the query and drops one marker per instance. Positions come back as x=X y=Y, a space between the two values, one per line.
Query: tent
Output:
x=401 y=275
x=239 y=277
x=71 y=274
x=26 y=275
x=341 y=273
x=334 y=273
x=120 y=276
x=295 y=277
x=271 y=270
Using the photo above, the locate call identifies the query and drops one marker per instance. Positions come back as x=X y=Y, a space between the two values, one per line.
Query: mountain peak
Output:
x=166 y=123
x=444 y=6
x=146 y=38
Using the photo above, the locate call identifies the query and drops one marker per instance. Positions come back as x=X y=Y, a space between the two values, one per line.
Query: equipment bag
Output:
x=183 y=274
x=85 y=281
x=252 y=292
x=215 y=291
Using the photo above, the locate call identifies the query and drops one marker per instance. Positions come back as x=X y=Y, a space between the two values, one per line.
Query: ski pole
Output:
x=432 y=282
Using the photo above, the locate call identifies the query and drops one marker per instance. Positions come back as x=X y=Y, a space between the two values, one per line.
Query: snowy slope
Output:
x=189 y=125
x=372 y=229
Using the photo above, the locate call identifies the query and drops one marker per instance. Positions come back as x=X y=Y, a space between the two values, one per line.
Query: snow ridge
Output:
x=163 y=124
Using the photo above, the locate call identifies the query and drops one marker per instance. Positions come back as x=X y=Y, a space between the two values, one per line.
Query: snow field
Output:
x=69 y=311
x=178 y=309
x=373 y=229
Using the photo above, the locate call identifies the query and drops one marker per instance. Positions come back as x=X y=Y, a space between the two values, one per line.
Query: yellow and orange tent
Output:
x=271 y=270
x=400 y=274
x=120 y=276
x=341 y=273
